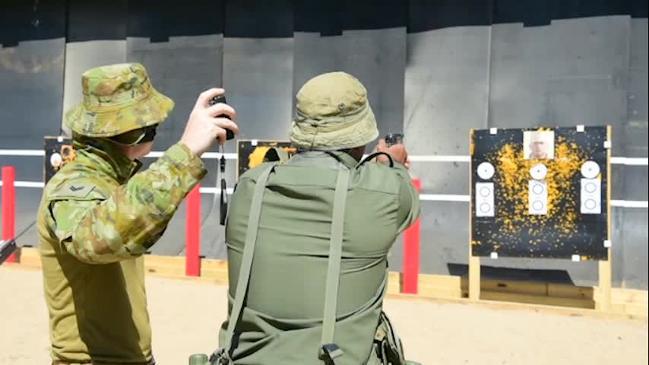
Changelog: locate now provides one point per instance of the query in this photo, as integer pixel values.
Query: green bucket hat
(117, 99)
(333, 113)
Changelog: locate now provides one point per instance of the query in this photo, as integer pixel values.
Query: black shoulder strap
(373, 156)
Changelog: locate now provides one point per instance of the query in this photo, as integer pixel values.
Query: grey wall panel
(631, 250)
(632, 263)
(445, 236)
(444, 239)
(570, 72)
(81, 56)
(313, 55)
(446, 88)
(635, 133)
(258, 78)
(260, 89)
(634, 184)
(376, 57)
(181, 68)
(31, 85)
(27, 202)
(31, 89)
(618, 248)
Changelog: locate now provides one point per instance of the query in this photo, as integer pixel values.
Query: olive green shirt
(282, 320)
(95, 221)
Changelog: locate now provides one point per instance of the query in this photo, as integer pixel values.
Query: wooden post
(474, 262)
(603, 302)
(474, 278)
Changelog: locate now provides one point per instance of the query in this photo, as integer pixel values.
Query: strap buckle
(220, 357)
(330, 351)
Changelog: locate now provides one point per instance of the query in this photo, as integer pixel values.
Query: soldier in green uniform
(98, 215)
(308, 240)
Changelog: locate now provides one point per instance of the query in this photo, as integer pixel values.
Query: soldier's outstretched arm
(409, 207)
(131, 218)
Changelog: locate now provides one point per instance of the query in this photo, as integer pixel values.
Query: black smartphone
(221, 99)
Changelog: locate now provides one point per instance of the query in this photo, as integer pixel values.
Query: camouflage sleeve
(132, 217)
(409, 207)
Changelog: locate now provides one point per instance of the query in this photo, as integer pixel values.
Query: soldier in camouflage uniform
(98, 215)
(308, 240)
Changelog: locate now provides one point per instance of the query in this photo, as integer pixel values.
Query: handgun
(6, 249)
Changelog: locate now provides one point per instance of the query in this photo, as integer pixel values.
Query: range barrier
(411, 236)
(193, 233)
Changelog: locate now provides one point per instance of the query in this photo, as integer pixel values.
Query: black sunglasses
(137, 136)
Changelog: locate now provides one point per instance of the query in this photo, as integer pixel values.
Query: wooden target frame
(252, 152)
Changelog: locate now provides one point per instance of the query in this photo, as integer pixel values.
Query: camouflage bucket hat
(117, 99)
(333, 113)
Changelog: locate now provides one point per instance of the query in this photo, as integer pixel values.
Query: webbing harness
(328, 348)
(329, 351)
(223, 356)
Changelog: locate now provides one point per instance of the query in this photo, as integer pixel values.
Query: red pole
(193, 233)
(411, 253)
(8, 205)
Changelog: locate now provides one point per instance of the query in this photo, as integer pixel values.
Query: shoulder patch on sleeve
(75, 190)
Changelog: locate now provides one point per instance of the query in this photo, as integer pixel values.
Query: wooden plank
(394, 283)
(603, 302)
(474, 278)
(440, 286)
(629, 296)
(510, 286)
(474, 262)
(603, 298)
(570, 291)
(169, 266)
(537, 299)
(30, 257)
(216, 270)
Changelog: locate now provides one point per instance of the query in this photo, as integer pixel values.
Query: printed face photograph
(538, 145)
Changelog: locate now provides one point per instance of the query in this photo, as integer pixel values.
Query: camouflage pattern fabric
(117, 99)
(95, 221)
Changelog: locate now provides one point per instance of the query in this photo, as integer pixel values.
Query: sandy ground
(185, 316)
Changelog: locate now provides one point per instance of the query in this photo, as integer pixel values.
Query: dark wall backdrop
(433, 69)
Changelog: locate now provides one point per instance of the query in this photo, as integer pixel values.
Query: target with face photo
(540, 193)
(538, 145)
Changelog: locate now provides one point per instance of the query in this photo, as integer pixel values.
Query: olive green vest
(281, 318)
